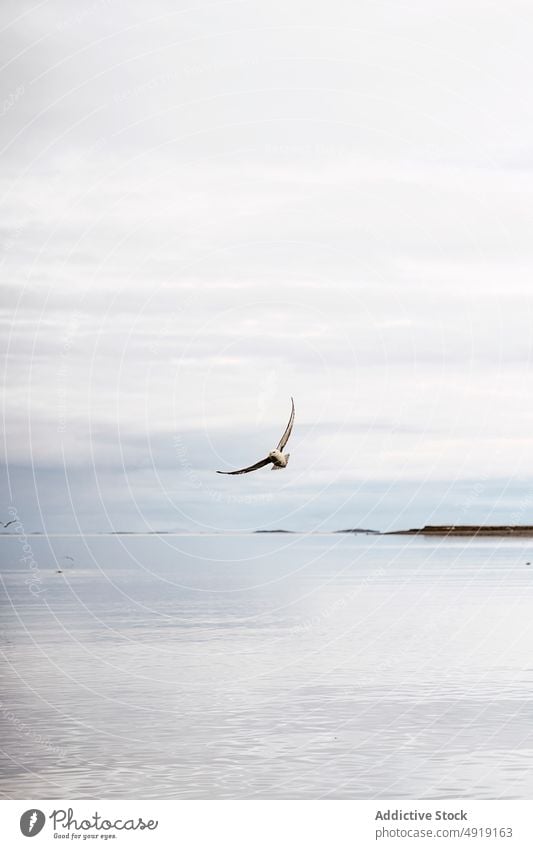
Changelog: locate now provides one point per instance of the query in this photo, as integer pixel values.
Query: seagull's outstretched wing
(285, 438)
(258, 465)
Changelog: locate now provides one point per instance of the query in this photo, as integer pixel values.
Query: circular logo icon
(31, 822)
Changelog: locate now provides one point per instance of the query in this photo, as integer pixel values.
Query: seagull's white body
(278, 459)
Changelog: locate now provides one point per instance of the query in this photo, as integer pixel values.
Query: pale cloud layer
(210, 208)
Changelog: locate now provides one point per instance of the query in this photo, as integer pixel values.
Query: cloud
(207, 211)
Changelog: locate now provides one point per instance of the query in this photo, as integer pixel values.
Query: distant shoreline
(427, 531)
(15, 534)
(467, 531)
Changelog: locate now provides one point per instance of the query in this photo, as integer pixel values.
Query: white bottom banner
(268, 824)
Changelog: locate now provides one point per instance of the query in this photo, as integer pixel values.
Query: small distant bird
(65, 557)
(278, 459)
(7, 524)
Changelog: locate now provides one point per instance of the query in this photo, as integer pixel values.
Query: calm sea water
(267, 666)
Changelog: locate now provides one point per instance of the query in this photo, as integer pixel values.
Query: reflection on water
(267, 666)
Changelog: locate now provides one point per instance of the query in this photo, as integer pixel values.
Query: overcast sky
(208, 208)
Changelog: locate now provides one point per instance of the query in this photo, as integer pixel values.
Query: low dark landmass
(343, 531)
(469, 531)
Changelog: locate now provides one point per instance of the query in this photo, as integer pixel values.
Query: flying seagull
(278, 459)
(7, 524)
